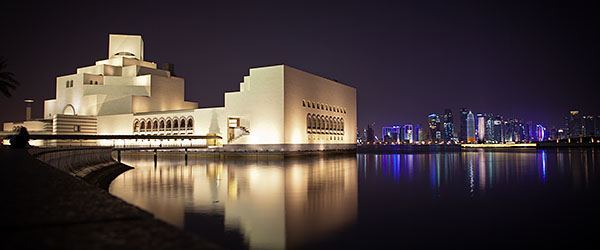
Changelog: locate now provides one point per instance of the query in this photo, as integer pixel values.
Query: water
(479, 199)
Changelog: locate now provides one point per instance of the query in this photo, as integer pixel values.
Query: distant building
(589, 128)
(498, 130)
(408, 133)
(435, 127)
(462, 134)
(370, 134)
(392, 134)
(480, 127)
(540, 133)
(597, 125)
(574, 124)
(489, 128)
(448, 125)
(470, 128)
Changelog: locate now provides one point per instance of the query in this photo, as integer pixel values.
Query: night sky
(534, 60)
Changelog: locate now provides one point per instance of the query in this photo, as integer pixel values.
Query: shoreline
(51, 209)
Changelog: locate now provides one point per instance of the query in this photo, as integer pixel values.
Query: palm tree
(7, 80)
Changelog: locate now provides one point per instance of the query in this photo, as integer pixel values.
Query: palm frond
(8, 84)
(8, 77)
(5, 91)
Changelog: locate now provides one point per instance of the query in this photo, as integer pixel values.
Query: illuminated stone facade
(275, 106)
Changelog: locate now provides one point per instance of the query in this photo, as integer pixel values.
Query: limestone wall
(78, 161)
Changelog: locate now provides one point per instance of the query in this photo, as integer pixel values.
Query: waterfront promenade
(50, 209)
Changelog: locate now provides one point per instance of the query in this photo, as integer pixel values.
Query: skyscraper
(408, 133)
(480, 127)
(448, 131)
(370, 134)
(391, 134)
(540, 132)
(588, 125)
(574, 124)
(470, 127)
(435, 127)
(489, 128)
(498, 130)
(417, 133)
(597, 125)
(462, 134)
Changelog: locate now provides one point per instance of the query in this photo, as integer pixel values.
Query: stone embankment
(50, 205)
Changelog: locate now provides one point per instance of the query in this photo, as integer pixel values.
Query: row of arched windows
(169, 125)
(322, 106)
(323, 124)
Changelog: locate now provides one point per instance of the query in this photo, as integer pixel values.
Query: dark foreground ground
(44, 208)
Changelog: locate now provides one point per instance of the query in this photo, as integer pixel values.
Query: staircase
(238, 132)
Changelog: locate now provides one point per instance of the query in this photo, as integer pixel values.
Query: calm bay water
(476, 199)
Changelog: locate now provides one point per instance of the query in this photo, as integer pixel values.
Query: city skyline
(409, 58)
(471, 126)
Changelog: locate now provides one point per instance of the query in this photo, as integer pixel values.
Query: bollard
(155, 158)
(186, 156)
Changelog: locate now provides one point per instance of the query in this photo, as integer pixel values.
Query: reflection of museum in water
(272, 204)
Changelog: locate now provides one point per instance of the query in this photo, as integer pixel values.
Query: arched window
(333, 124)
(169, 126)
(155, 125)
(142, 126)
(69, 110)
(175, 124)
(190, 124)
(303, 103)
(342, 125)
(161, 126)
(308, 121)
(148, 126)
(318, 122)
(136, 126)
(182, 124)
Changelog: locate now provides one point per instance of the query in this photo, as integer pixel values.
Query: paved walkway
(45, 208)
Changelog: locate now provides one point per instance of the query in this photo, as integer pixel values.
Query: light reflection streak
(274, 204)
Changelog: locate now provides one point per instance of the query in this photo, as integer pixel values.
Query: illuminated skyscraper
(498, 129)
(448, 130)
(480, 127)
(462, 135)
(588, 125)
(470, 127)
(540, 132)
(435, 127)
(408, 133)
(489, 128)
(391, 134)
(574, 124)
(370, 134)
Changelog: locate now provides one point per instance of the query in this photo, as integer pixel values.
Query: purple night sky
(530, 59)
